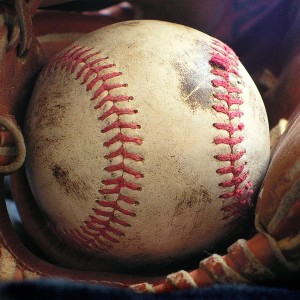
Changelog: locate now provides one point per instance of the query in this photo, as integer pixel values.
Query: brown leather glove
(20, 61)
(22, 57)
(272, 255)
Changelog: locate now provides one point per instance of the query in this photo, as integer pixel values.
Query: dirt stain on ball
(193, 90)
(191, 199)
(67, 182)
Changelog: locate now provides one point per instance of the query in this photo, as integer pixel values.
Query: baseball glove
(272, 255)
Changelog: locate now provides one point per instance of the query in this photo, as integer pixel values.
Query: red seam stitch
(100, 232)
(120, 124)
(113, 99)
(228, 141)
(226, 85)
(230, 128)
(91, 69)
(235, 181)
(226, 111)
(118, 111)
(123, 138)
(94, 223)
(124, 168)
(125, 154)
(228, 99)
(105, 87)
(224, 64)
(231, 169)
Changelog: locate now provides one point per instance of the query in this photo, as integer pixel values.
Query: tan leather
(21, 58)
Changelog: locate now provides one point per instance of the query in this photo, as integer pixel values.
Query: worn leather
(276, 243)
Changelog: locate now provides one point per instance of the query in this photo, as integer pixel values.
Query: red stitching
(117, 111)
(224, 64)
(226, 110)
(99, 231)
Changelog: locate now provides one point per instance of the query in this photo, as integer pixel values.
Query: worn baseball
(146, 142)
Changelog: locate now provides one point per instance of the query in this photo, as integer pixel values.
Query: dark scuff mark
(71, 184)
(191, 199)
(193, 87)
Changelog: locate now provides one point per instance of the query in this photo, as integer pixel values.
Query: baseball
(146, 142)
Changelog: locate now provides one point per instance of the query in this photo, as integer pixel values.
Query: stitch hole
(218, 66)
(102, 95)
